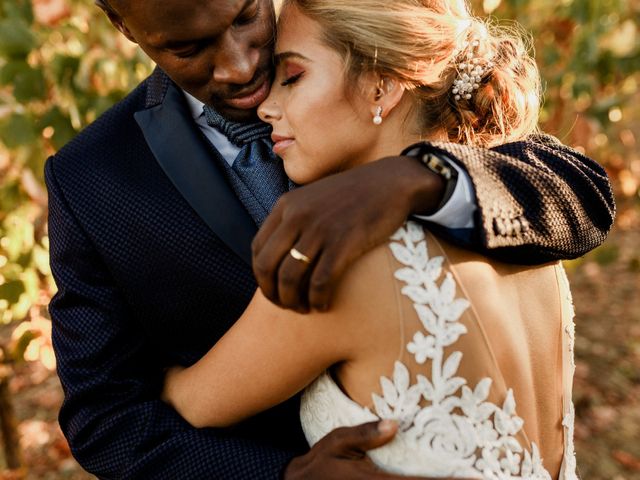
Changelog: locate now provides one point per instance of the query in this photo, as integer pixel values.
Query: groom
(151, 223)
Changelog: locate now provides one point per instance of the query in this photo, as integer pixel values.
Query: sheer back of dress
(475, 365)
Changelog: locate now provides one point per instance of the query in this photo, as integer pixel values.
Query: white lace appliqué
(480, 438)
(447, 428)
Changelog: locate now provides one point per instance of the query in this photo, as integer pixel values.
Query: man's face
(219, 51)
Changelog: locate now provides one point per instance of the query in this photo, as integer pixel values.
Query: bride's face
(320, 126)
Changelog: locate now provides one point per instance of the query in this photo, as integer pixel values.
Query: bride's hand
(332, 222)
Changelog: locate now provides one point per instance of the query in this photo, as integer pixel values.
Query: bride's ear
(384, 95)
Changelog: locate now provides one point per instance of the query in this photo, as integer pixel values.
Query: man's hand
(342, 455)
(332, 222)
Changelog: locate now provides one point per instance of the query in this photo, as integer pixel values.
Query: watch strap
(444, 170)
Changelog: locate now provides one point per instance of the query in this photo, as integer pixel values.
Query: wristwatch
(446, 171)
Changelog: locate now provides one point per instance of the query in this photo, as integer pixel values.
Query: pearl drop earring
(377, 119)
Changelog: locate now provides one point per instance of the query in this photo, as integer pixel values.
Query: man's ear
(386, 92)
(116, 20)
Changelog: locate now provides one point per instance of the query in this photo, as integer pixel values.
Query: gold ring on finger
(298, 255)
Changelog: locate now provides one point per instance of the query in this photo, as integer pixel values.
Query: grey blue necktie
(256, 175)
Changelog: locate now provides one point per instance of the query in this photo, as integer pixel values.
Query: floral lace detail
(481, 438)
(447, 427)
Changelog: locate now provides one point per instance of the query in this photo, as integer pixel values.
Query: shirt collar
(195, 105)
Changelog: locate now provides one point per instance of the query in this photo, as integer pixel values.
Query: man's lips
(252, 99)
(281, 143)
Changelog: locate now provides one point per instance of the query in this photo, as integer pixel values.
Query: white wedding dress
(458, 415)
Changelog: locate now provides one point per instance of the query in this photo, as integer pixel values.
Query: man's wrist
(426, 188)
(441, 168)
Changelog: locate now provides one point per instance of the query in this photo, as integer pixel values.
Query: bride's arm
(271, 353)
(266, 357)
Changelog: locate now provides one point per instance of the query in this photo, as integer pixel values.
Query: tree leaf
(21, 344)
(17, 130)
(63, 131)
(64, 68)
(16, 40)
(19, 10)
(11, 70)
(29, 85)
(11, 290)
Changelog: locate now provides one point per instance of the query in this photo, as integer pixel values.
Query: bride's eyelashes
(292, 79)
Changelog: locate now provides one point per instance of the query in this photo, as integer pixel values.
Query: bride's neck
(398, 131)
(391, 142)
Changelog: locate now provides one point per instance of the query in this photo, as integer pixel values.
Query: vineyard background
(62, 65)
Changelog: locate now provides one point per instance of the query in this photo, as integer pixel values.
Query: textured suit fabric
(144, 283)
(539, 196)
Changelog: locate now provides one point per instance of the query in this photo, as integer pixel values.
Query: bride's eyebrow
(280, 57)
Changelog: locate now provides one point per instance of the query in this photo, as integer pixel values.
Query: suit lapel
(185, 157)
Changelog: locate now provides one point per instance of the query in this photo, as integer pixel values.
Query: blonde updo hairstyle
(421, 44)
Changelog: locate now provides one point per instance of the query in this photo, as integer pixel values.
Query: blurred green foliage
(62, 64)
(589, 56)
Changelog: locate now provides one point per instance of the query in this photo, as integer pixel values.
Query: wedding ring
(299, 255)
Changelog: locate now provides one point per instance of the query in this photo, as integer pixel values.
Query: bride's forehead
(294, 24)
(304, 38)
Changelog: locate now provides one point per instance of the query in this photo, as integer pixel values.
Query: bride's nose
(269, 111)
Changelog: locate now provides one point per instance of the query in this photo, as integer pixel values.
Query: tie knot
(240, 134)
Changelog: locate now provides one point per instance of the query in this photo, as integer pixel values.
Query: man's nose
(235, 61)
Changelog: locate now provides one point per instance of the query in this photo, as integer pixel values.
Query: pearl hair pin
(471, 69)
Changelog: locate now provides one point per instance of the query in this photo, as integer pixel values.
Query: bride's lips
(251, 99)
(280, 144)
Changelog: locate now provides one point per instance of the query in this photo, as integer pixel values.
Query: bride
(472, 358)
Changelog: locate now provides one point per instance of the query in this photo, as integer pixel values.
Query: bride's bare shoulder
(369, 280)
(372, 276)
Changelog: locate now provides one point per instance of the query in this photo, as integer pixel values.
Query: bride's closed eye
(292, 79)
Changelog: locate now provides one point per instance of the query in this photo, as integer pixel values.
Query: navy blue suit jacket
(150, 250)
